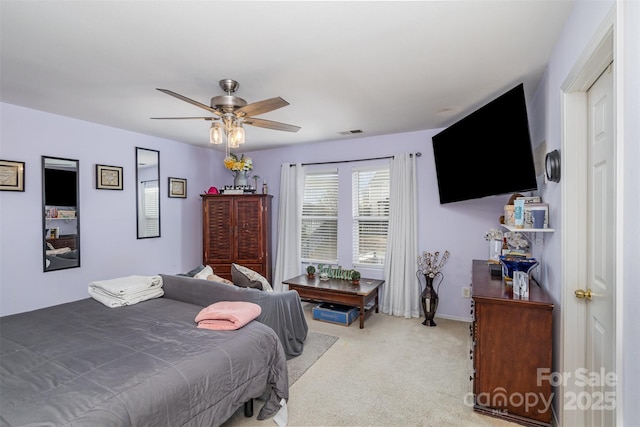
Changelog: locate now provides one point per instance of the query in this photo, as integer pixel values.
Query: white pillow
(247, 278)
(204, 273)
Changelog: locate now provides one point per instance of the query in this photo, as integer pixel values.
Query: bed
(82, 363)
(60, 261)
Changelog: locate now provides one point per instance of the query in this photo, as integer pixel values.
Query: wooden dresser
(512, 340)
(237, 229)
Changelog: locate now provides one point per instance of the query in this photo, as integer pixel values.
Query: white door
(599, 296)
(585, 395)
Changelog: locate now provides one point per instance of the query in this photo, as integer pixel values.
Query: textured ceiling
(380, 67)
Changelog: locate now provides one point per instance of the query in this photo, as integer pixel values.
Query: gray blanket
(83, 364)
(282, 311)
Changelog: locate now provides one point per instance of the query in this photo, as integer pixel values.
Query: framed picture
(11, 175)
(108, 177)
(178, 187)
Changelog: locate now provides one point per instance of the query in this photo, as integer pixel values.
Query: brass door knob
(582, 294)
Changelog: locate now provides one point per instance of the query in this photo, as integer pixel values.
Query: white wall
(628, 16)
(109, 247)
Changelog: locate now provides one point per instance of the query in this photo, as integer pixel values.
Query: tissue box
(335, 313)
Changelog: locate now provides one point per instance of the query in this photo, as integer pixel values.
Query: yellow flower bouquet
(233, 163)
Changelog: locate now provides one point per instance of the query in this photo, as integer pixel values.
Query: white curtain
(289, 228)
(401, 291)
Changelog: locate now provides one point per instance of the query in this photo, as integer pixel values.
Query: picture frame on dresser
(11, 175)
(109, 177)
(177, 187)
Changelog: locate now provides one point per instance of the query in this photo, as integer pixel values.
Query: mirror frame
(62, 262)
(142, 156)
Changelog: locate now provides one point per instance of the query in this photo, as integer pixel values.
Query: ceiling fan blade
(268, 124)
(261, 107)
(185, 118)
(190, 101)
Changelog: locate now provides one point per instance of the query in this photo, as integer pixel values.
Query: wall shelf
(528, 230)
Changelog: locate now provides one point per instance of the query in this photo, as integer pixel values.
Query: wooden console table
(338, 291)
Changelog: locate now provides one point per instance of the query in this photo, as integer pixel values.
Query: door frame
(595, 58)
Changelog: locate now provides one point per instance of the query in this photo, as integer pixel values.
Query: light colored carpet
(314, 346)
(394, 372)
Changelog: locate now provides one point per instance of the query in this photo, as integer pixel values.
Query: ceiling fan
(234, 112)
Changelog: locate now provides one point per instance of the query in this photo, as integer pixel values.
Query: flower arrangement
(233, 163)
(516, 240)
(493, 234)
(429, 265)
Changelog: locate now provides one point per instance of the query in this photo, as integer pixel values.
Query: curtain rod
(418, 154)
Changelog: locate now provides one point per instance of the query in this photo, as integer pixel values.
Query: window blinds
(320, 218)
(370, 215)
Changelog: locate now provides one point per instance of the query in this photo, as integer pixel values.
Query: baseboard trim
(460, 319)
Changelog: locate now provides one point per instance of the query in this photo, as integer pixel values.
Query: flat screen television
(486, 153)
(60, 188)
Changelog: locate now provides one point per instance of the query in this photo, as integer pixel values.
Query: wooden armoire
(237, 229)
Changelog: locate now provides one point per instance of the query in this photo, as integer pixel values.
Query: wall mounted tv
(60, 189)
(486, 153)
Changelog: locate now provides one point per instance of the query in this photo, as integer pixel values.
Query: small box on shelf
(529, 214)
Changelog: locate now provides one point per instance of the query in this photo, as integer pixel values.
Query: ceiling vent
(351, 132)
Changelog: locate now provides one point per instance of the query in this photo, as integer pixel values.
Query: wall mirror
(148, 192)
(61, 213)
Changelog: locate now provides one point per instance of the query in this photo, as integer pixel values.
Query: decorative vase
(429, 299)
(240, 178)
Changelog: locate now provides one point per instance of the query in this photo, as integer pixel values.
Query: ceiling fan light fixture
(237, 133)
(232, 141)
(233, 111)
(215, 134)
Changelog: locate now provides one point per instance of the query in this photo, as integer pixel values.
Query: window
(150, 207)
(320, 218)
(370, 215)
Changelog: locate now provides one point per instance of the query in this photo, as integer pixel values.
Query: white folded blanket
(128, 284)
(58, 251)
(126, 290)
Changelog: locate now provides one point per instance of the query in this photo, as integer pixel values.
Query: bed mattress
(82, 363)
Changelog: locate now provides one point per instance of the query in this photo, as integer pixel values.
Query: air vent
(351, 132)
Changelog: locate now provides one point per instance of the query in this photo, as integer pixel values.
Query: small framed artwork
(108, 177)
(177, 187)
(11, 175)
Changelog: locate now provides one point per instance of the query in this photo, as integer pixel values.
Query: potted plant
(311, 272)
(355, 277)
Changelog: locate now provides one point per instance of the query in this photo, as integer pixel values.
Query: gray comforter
(282, 311)
(84, 364)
